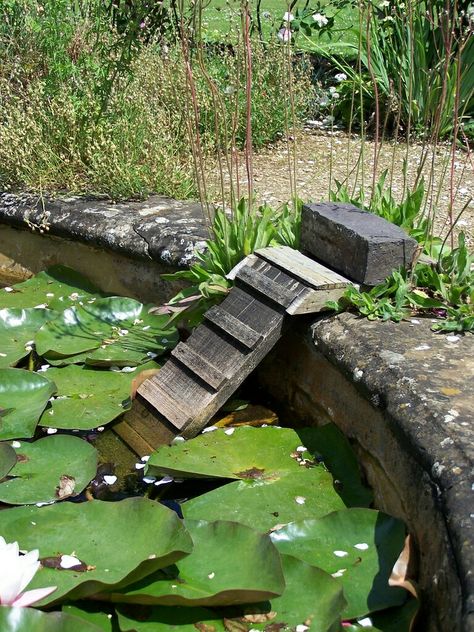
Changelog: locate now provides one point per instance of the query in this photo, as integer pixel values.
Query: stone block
(360, 245)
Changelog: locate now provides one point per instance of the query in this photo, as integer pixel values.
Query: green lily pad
(23, 397)
(17, 329)
(167, 619)
(109, 331)
(333, 447)
(57, 287)
(241, 453)
(264, 504)
(92, 612)
(31, 620)
(358, 547)
(311, 597)
(49, 469)
(230, 564)
(88, 397)
(7, 458)
(117, 543)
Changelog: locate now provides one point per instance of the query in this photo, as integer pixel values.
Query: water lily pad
(356, 546)
(397, 619)
(311, 598)
(31, 620)
(117, 543)
(262, 505)
(230, 564)
(92, 612)
(23, 397)
(168, 619)
(55, 288)
(88, 397)
(17, 329)
(7, 458)
(332, 446)
(50, 469)
(241, 453)
(110, 331)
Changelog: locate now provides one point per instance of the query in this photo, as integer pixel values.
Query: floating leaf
(168, 619)
(230, 564)
(17, 329)
(312, 598)
(92, 612)
(246, 453)
(31, 620)
(7, 458)
(356, 546)
(264, 504)
(332, 445)
(110, 331)
(88, 397)
(50, 469)
(23, 397)
(119, 542)
(55, 288)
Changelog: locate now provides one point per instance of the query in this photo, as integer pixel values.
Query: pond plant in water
(242, 528)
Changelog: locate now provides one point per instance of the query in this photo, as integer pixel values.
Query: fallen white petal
(163, 481)
(340, 553)
(68, 561)
(229, 431)
(300, 500)
(209, 429)
(110, 479)
(363, 546)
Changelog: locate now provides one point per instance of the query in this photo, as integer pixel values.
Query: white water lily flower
(16, 572)
(320, 19)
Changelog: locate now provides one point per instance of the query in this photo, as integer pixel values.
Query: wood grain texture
(198, 364)
(233, 326)
(306, 270)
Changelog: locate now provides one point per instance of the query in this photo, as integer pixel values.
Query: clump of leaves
(234, 236)
(445, 290)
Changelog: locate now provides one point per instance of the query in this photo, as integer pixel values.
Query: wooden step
(198, 364)
(154, 392)
(263, 284)
(232, 326)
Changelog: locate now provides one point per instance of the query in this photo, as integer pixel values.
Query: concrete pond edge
(403, 394)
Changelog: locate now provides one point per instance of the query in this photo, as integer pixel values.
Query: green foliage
(14, 619)
(234, 236)
(23, 397)
(445, 290)
(40, 466)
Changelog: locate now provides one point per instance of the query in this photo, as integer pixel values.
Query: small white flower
(16, 572)
(341, 76)
(288, 17)
(284, 35)
(320, 19)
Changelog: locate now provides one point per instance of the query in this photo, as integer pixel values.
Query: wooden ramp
(203, 372)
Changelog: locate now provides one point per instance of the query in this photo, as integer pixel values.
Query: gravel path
(316, 172)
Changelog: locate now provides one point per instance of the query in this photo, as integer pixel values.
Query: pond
(249, 526)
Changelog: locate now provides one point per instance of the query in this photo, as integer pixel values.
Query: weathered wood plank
(199, 365)
(233, 326)
(274, 291)
(156, 393)
(314, 301)
(306, 270)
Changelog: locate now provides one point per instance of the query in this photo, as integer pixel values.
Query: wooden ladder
(203, 372)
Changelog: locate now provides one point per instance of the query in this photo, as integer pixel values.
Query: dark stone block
(360, 245)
